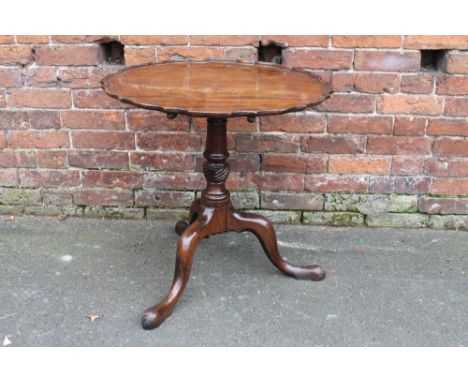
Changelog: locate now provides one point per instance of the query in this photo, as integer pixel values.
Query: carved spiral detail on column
(216, 172)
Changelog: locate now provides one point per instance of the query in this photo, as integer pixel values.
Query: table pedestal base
(213, 214)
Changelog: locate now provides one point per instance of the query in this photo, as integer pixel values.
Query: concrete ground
(384, 287)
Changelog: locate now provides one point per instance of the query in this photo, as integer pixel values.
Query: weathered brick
(56, 197)
(83, 77)
(452, 85)
(348, 103)
(435, 42)
(457, 107)
(455, 62)
(30, 139)
(446, 167)
(15, 54)
(39, 119)
(113, 212)
(51, 159)
(113, 179)
(8, 177)
(214, 40)
(450, 186)
(348, 219)
(239, 124)
(174, 180)
(161, 161)
(49, 178)
(409, 126)
(397, 220)
(280, 217)
(2, 140)
(96, 99)
(448, 127)
(294, 123)
(374, 41)
(98, 160)
(103, 120)
(69, 55)
(359, 125)
(10, 77)
(32, 39)
(370, 203)
(150, 120)
(290, 201)
(366, 82)
(334, 183)
(41, 77)
(355, 165)
(333, 144)
(104, 197)
(318, 59)
(417, 83)
(20, 196)
(407, 166)
(274, 182)
(10, 120)
(244, 54)
(244, 162)
(297, 164)
(387, 61)
(163, 199)
(41, 98)
(387, 145)
(17, 158)
(139, 56)
(7, 39)
(103, 140)
(296, 40)
(451, 147)
(409, 104)
(75, 39)
(154, 39)
(455, 222)
(193, 53)
(443, 206)
(245, 199)
(400, 184)
(266, 143)
(169, 214)
(153, 140)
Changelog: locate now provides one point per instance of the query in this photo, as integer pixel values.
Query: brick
(242, 200)
(446, 167)
(51, 159)
(452, 85)
(370, 203)
(41, 77)
(150, 120)
(359, 125)
(56, 197)
(102, 120)
(37, 139)
(17, 159)
(454, 187)
(168, 214)
(451, 147)
(103, 197)
(244, 162)
(41, 98)
(279, 217)
(163, 199)
(296, 201)
(15, 55)
(417, 83)
(266, 143)
(8, 178)
(103, 140)
(340, 219)
(387, 145)
(335, 183)
(354, 165)
(387, 61)
(407, 166)
(96, 99)
(139, 56)
(330, 144)
(409, 104)
(98, 160)
(73, 39)
(294, 123)
(83, 77)
(113, 212)
(239, 124)
(448, 127)
(435, 42)
(39, 119)
(224, 40)
(443, 206)
(397, 220)
(10, 120)
(455, 62)
(375, 83)
(318, 59)
(409, 126)
(10, 77)
(154, 40)
(169, 161)
(7, 39)
(296, 40)
(296, 164)
(112, 179)
(32, 39)
(457, 107)
(244, 54)
(69, 55)
(193, 53)
(275, 182)
(374, 41)
(174, 180)
(2, 140)
(455, 222)
(49, 178)
(152, 140)
(400, 184)
(348, 103)
(18, 196)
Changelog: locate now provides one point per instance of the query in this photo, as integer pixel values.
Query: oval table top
(217, 89)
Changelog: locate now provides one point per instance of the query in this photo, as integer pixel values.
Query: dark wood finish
(213, 214)
(217, 89)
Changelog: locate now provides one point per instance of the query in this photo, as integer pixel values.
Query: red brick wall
(391, 128)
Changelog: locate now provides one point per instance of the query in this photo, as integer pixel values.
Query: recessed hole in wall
(431, 59)
(270, 53)
(113, 52)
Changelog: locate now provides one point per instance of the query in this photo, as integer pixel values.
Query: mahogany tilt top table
(217, 91)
